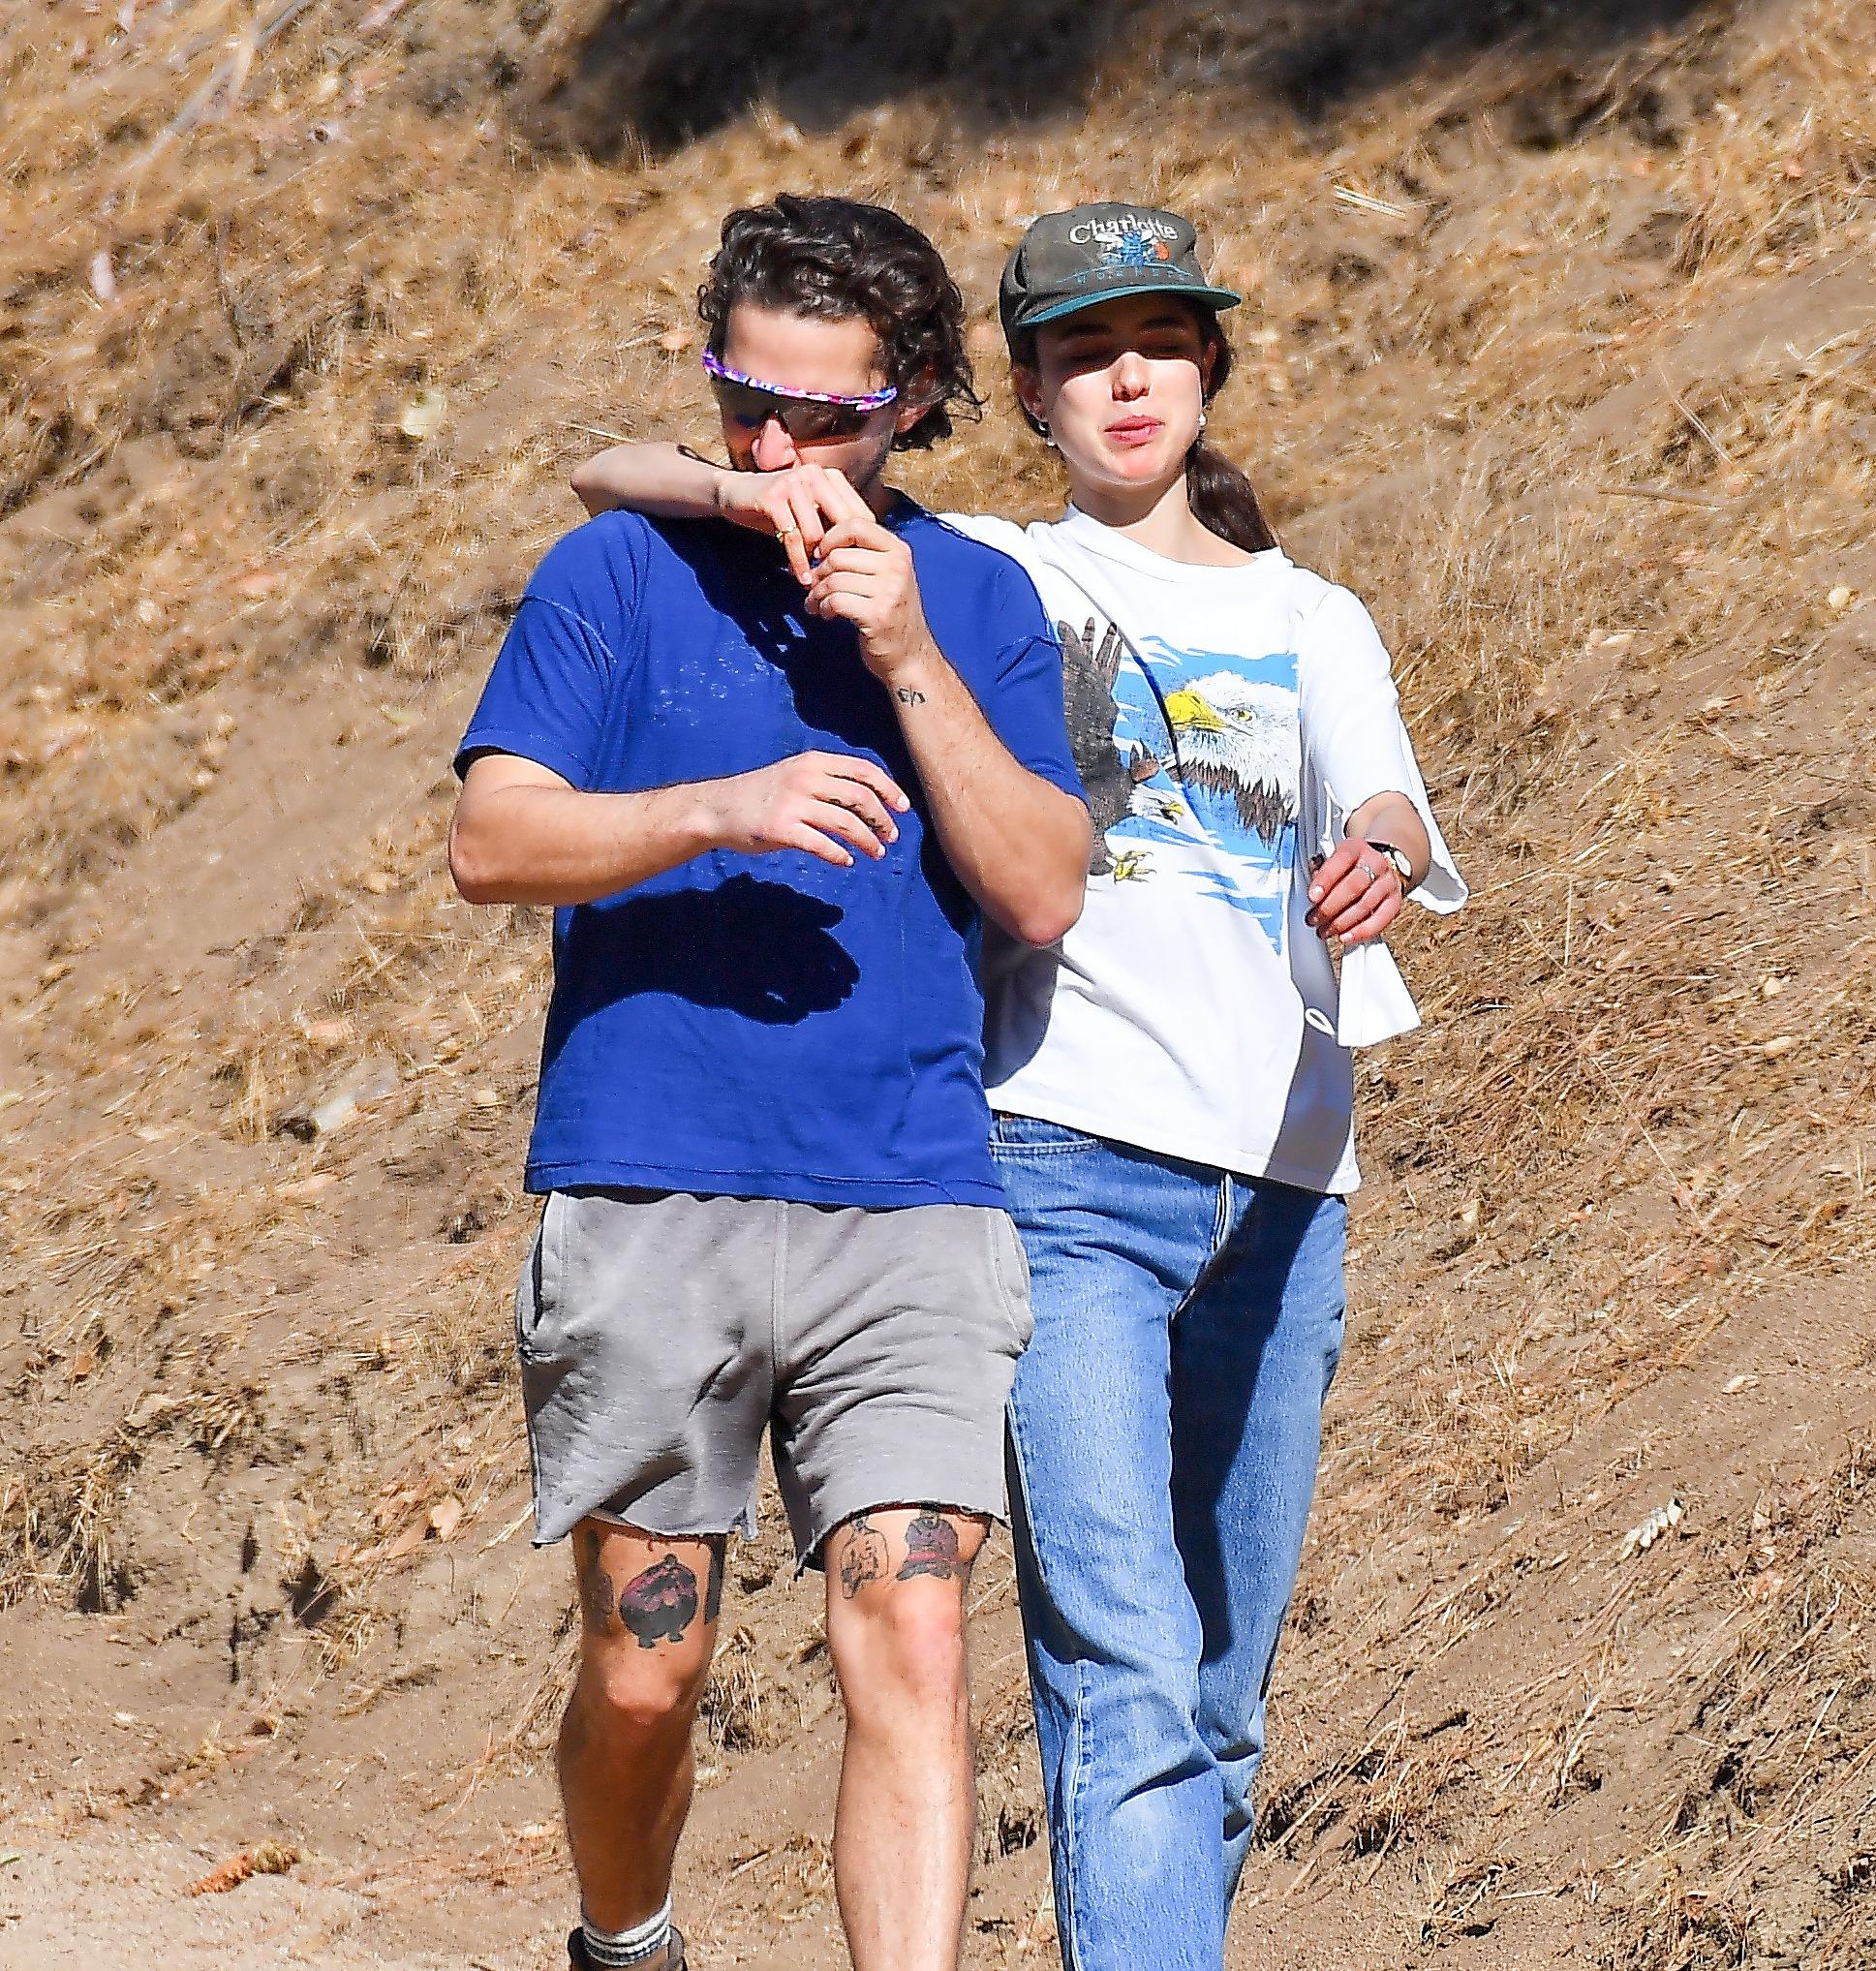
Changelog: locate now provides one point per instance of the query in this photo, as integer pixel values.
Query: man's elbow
(1048, 916)
(587, 489)
(1043, 928)
(476, 880)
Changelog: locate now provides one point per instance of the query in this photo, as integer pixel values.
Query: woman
(1173, 1107)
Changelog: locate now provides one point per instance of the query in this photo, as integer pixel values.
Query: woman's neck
(1159, 518)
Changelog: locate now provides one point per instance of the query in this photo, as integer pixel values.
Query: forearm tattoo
(865, 1558)
(906, 695)
(932, 1548)
(660, 1605)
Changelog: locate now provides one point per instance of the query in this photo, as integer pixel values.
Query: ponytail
(1224, 501)
(1221, 496)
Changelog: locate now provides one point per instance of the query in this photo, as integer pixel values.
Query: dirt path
(1562, 352)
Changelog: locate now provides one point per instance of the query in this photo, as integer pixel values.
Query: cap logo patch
(1135, 239)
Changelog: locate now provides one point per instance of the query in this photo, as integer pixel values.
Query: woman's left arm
(1358, 750)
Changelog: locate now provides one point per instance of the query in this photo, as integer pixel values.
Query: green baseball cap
(1073, 260)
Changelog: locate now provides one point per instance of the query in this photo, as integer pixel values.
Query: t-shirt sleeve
(546, 700)
(1023, 706)
(992, 531)
(1355, 742)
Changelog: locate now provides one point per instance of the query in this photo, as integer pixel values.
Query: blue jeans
(1164, 1429)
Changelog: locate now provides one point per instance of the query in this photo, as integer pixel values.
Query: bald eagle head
(1237, 737)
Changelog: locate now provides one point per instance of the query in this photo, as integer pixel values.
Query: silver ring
(1373, 875)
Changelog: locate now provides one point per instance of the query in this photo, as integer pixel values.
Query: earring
(1201, 423)
(1048, 435)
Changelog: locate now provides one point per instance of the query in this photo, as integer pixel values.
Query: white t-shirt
(1226, 721)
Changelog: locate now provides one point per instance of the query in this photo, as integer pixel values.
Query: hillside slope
(1563, 352)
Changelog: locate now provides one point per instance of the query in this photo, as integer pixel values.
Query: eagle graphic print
(1192, 764)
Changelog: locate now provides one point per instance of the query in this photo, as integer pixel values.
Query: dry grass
(1558, 361)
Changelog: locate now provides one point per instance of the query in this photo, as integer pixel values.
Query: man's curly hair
(841, 260)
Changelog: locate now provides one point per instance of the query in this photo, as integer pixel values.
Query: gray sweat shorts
(661, 1333)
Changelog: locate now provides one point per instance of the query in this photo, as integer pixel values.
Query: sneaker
(673, 1960)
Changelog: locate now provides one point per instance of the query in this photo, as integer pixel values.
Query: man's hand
(826, 803)
(865, 577)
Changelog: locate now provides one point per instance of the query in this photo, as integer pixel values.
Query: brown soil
(1563, 355)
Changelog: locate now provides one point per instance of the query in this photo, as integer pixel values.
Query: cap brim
(1208, 298)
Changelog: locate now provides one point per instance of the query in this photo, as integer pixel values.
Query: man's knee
(648, 1615)
(896, 1613)
(630, 1693)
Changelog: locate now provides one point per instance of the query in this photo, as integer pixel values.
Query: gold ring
(783, 533)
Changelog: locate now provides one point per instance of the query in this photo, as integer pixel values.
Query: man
(769, 798)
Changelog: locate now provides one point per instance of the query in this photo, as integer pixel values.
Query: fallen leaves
(1663, 1519)
(264, 1858)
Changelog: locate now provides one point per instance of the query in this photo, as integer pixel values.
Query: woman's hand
(1355, 894)
(800, 507)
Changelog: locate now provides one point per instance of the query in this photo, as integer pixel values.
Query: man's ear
(915, 401)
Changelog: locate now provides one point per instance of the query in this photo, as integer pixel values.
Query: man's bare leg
(906, 1817)
(648, 1623)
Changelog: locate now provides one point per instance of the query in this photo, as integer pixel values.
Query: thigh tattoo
(660, 1605)
(932, 1548)
(865, 1558)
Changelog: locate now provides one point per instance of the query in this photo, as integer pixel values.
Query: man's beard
(867, 476)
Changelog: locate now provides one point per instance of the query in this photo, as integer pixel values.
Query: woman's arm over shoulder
(664, 480)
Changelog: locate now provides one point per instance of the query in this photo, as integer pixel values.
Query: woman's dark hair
(1221, 496)
(841, 260)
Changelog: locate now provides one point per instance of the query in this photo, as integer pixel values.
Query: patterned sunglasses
(808, 416)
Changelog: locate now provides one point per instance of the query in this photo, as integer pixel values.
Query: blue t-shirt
(761, 1025)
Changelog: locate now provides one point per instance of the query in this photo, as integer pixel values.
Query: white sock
(611, 1950)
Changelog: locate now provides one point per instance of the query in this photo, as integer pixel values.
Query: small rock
(422, 416)
(1779, 1044)
(371, 1083)
(1841, 597)
(305, 1188)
